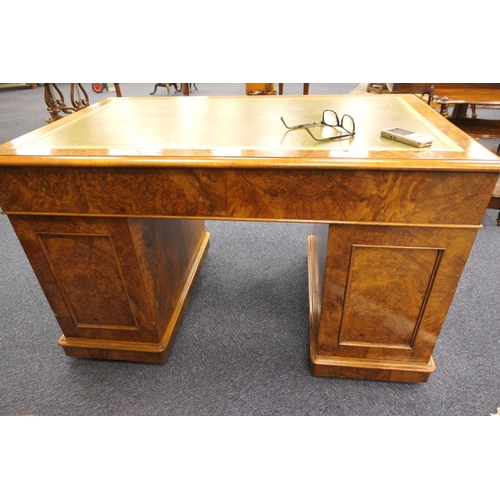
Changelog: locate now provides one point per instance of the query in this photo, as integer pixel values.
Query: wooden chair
(268, 89)
(167, 86)
(54, 100)
(260, 89)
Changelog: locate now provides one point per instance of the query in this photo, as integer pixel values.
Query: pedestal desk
(109, 205)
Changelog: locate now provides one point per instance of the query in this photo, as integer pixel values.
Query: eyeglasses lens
(348, 123)
(330, 118)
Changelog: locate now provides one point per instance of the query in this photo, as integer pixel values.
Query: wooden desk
(109, 205)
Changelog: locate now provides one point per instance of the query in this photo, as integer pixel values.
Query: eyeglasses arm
(303, 125)
(342, 136)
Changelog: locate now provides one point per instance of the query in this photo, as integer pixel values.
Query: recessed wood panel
(89, 277)
(386, 291)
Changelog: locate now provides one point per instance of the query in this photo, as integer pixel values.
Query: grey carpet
(242, 348)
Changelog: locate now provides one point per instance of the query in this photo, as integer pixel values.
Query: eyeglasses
(329, 119)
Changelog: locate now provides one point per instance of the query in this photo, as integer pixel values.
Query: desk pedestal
(117, 286)
(379, 293)
(379, 296)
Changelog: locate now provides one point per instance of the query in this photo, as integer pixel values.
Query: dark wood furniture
(259, 89)
(109, 205)
(482, 91)
(268, 89)
(55, 101)
(185, 88)
(462, 96)
(459, 97)
(167, 86)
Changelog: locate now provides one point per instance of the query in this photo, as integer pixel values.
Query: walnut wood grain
(109, 204)
(403, 196)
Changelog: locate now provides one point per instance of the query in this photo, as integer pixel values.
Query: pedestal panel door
(117, 287)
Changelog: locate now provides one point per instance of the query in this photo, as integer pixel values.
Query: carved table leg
(444, 110)
(459, 111)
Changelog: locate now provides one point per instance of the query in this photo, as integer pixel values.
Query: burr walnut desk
(109, 205)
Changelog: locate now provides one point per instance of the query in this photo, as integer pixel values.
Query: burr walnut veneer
(109, 204)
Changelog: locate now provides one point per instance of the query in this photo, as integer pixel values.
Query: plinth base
(326, 366)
